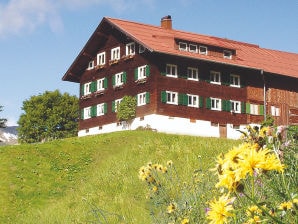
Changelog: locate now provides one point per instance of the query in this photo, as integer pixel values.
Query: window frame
(205, 52)
(215, 77)
(275, 111)
(235, 106)
(215, 104)
(90, 65)
(192, 97)
(115, 53)
(119, 79)
(173, 68)
(128, 49)
(232, 80)
(100, 110)
(193, 45)
(172, 97)
(192, 69)
(229, 56)
(101, 58)
(87, 88)
(100, 84)
(141, 99)
(87, 112)
(117, 103)
(142, 72)
(181, 48)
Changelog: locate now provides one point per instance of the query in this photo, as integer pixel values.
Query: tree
(47, 116)
(2, 120)
(126, 110)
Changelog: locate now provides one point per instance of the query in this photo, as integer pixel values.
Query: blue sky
(39, 39)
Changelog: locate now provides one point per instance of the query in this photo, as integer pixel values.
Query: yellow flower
(155, 189)
(253, 210)
(286, 205)
(254, 220)
(264, 131)
(170, 163)
(220, 210)
(171, 208)
(185, 221)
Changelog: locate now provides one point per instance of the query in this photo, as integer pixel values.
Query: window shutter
(147, 70)
(243, 107)
(82, 90)
(223, 105)
(93, 86)
(136, 73)
(113, 80)
(113, 106)
(147, 97)
(163, 73)
(82, 114)
(247, 108)
(124, 77)
(208, 103)
(105, 83)
(200, 101)
(261, 110)
(163, 96)
(105, 108)
(185, 100)
(93, 111)
(180, 99)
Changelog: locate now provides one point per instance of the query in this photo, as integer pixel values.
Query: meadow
(94, 179)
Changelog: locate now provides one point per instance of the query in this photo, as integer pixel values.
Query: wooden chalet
(184, 82)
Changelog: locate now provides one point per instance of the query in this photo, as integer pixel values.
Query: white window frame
(195, 50)
(215, 104)
(275, 111)
(254, 109)
(87, 112)
(142, 72)
(192, 73)
(183, 46)
(100, 84)
(100, 109)
(215, 77)
(87, 88)
(141, 98)
(171, 70)
(227, 54)
(115, 53)
(203, 50)
(235, 106)
(233, 81)
(172, 97)
(101, 58)
(117, 103)
(130, 48)
(193, 100)
(90, 65)
(119, 79)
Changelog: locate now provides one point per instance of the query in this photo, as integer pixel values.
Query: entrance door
(223, 130)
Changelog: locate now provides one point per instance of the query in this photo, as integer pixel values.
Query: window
(130, 48)
(215, 104)
(141, 49)
(172, 97)
(142, 72)
(101, 109)
(87, 88)
(119, 79)
(203, 50)
(101, 84)
(115, 104)
(235, 106)
(115, 53)
(215, 77)
(193, 48)
(193, 100)
(227, 54)
(171, 70)
(90, 65)
(234, 80)
(143, 98)
(182, 46)
(87, 112)
(254, 109)
(101, 58)
(192, 73)
(275, 111)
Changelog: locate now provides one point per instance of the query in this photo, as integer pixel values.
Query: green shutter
(105, 108)
(82, 89)
(147, 70)
(223, 105)
(163, 96)
(185, 100)
(93, 111)
(147, 97)
(93, 86)
(136, 73)
(113, 80)
(243, 107)
(82, 114)
(247, 108)
(201, 101)
(113, 106)
(208, 103)
(124, 77)
(261, 110)
(163, 73)
(226, 105)
(180, 99)
(105, 83)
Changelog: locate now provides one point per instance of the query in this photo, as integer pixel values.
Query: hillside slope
(78, 180)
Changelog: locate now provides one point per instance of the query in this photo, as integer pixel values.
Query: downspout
(264, 93)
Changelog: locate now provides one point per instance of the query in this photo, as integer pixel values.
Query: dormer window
(182, 46)
(193, 48)
(90, 65)
(203, 50)
(227, 54)
(130, 48)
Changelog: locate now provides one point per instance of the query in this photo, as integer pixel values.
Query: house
(184, 82)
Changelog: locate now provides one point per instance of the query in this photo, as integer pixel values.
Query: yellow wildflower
(286, 205)
(253, 210)
(171, 208)
(170, 163)
(185, 221)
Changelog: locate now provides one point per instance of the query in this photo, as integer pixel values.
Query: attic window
(90, 65)
(130, 48)
(182, 46)
(141, 49)
(227, 54)
(203, 50)
(193, 48)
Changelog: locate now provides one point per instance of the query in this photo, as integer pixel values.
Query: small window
(101, 58)
(171, 70)
(87, 88)
(192, 73)
(227, 54)
(254, 109)
(130, 49)
(119, 79)
(172, 97)
(117, 103)
(215, 104)
(90, 65)
(182, 46)
(234, 80)
(235, 106)
(101, 84)
(101, 109)
(115, 53)
(142, 72)
(193, 48)
(193, 100)
(87, 112)
(141, 49)
(203, 50)
(215, 77)
(141, 97)
(275, 111)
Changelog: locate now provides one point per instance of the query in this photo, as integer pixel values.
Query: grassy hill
(80, 180)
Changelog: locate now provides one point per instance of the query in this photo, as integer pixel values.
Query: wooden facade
(253, 93)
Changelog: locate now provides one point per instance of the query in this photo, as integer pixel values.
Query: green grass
(77, 179)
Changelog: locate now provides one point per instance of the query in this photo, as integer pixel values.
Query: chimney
(166, 22)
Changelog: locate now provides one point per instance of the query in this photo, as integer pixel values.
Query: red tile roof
(158, 39)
